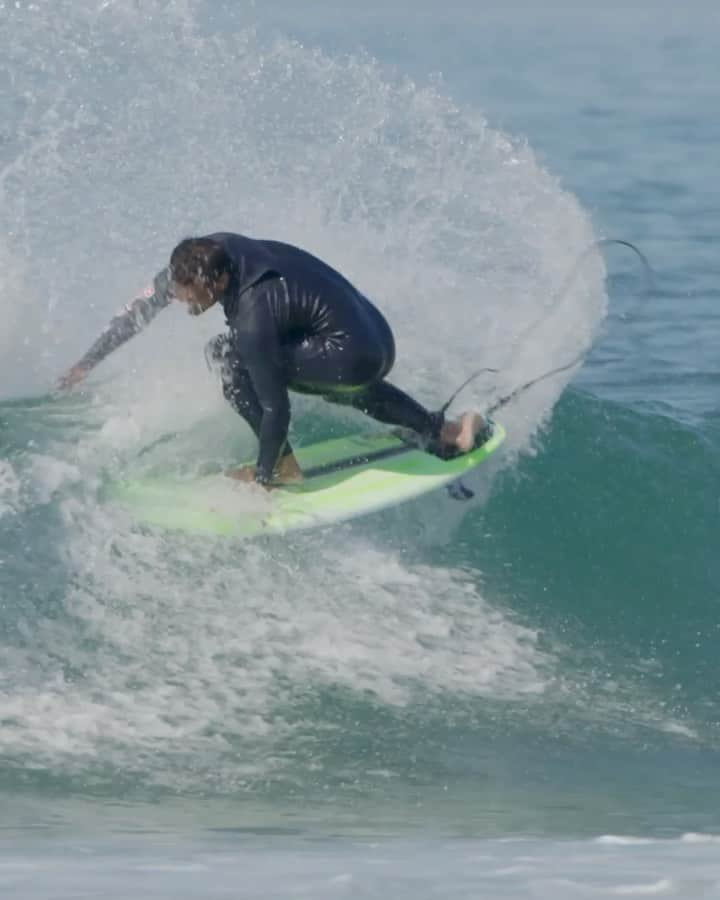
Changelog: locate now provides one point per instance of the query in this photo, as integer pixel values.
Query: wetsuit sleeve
(256, 333)
(127, 323)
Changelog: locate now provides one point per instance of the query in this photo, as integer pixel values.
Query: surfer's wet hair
(199, 259)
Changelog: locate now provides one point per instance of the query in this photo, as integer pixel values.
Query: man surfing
(294, 324)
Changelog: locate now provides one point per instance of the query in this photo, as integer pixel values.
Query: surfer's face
(201, 293)
(198, 296)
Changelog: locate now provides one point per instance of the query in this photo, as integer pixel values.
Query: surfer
(294, 324)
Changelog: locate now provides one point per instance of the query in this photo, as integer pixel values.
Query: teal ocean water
(512, 697)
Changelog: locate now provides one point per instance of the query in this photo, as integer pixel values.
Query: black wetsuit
(294, 323)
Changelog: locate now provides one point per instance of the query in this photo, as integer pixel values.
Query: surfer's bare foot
(462, 433)
(287, 471)
(243, 473)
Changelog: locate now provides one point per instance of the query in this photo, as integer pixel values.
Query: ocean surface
(513, 697)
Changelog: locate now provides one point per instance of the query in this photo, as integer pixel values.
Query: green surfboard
(344, 478)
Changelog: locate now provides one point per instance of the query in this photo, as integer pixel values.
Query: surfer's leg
(360, 353)
(388, 404)
(352, 373)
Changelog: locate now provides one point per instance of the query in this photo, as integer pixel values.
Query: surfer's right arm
(127, 323)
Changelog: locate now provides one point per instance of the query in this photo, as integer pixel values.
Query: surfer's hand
(71, 377)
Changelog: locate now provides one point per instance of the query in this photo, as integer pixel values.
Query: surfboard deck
(344, 478)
